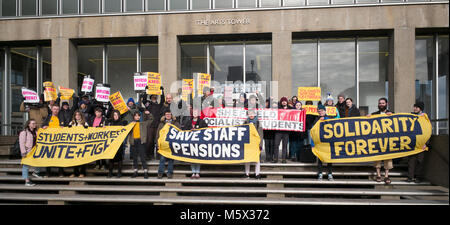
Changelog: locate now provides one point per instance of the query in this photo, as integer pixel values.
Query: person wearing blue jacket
(322, 116)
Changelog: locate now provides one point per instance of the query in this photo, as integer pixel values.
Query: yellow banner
(220, 145)
(66, 147)
(153, 83)
(118, 103)
(310, 110)
(367, 139)
(49, 92)
(309, 93)
(187, 88)
(203, 80)
(66, 93)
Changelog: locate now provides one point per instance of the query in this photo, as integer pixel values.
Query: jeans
(162, 162)
(195, 168)
(139, 150)
(280, 136)
(319, 167)
(295, 146)
(25, 169)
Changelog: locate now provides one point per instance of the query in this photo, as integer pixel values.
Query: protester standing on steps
(167, 118)
(322, 116)
(195, 122)
(98, 121)
(116, 120)
(53, 121)
(78, 121)
(281, 136)
(138, 138)
(415, 162)
(27, 140)
(252, 118)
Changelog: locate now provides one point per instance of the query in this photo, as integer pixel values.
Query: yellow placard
(309, 94)
(49, 92)
(331, 110)
(66, 93)
(310, 110)
(203, 80)
(118, 103)
(187, 88)
(367, 139)
(153, 83)
(220, 145)
(66, 147)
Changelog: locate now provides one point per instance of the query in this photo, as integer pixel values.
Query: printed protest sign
(310, 110)
(202, 80)
(88, 85)
(49, 92)
(66, 147)
(102, 94)
(331, 110)
(187, 88)
(309, 93)
(221, 145)
(66, 93)
(30, 95)
(367, 139)
(118, 103)
(153, 83)
(140, 81)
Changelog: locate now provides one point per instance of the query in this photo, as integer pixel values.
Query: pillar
(64, 63)
(281, 63)
(169, 62)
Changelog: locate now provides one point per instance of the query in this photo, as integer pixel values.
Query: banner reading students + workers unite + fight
(66, 147)
(221, 145)
(367, 139)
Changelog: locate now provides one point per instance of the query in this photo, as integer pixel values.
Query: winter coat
(163, 123)
(38, 113)
(258, 128)
(26, 141)
(102, 122)
(187, 124)
(351, 112)
(147, 120)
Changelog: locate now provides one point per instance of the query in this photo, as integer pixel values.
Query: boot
(145, 174)
(135, 174)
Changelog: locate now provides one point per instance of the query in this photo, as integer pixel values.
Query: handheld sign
(310, 110)
(331, 110)
(309, 94)
(140, 81)
(30, 95)
(202, 80)
(118, 102)
(49, 92)
(153, 83)
(102, 93)
(66, 93)
(187, 88)
(88, 84)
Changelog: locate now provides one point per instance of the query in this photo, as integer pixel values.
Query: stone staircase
(281, 184)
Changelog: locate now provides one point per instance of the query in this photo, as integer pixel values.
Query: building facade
(365, 49)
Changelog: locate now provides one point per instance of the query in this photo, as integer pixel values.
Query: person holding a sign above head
(388, 164)
(137, 139)
(322, 116)
(116, 120)
(155, 109)
(350, 109)
(252, 118)
(167, 118)
(78, 120)
(195, 122)
(98, 121)
(66, 112)
(53, 121)
(281, 136)
(27, 140)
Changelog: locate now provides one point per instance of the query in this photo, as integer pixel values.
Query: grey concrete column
(281, 62)
(169, 62)
(64, 63)
(404, 69)
(6, 93)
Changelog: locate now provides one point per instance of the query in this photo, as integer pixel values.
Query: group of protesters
(150, 117)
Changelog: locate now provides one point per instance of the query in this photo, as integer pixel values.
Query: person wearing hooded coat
(281, 136)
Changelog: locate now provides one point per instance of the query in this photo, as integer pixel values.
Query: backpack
(15, 152)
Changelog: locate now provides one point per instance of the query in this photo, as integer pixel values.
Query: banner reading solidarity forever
(221, 145)
(374, 138)
(270, 119)
(65, 147)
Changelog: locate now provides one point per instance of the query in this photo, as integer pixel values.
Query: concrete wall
(436, 161)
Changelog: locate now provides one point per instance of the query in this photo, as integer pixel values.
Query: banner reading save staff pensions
(367, 139)
(221, 145)
(269, 119)
(65, 147)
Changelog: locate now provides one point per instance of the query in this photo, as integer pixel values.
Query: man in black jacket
(155, 109)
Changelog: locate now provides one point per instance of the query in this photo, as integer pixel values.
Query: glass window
(121, 68)
(155, 5)
(424, 74)
(149, 57)
(318, 2)
(178, 4)
(28, 7)
(392, 1)
(270, 3)
(443, 83)
(200, 4)
(133, 5)
(294, 2)
(46, 63)
(70, 6)
(366, 1)
(258, 67)
(373, 64)
(246, 4)
(304, 64)
(91, 6)
(8, 8)
(337, 67)
(347, 2)
(223, 4)
(112, 6)
(226, 63)
(90, 62)
(49, 7)
(193, 59)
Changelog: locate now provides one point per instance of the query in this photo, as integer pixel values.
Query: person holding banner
(137, 139)
(388, 164)
(252, 118)
(350, 109)
(27, 140)
(281, 136)
(242, 102)
(53, 121)
(167, 118)
(78, 120)
(116, 120)
(296, 139)
(269, 136)
(195, 122)
(322, 116)
(98, 121)
(415, 162)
